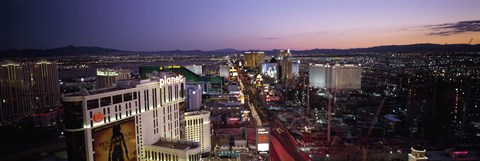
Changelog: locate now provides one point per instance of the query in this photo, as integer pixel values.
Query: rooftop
(223, 104)
(189, 75)
(196, 113)
(122, 84)
(176, 144)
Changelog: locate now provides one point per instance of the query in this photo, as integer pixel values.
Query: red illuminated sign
(263, 139)
(97, 117)
(460, 152)
(234, 119)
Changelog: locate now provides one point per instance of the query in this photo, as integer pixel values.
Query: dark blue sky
(216, 24)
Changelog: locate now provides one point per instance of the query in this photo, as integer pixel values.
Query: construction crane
(329, 118)
(374, 121)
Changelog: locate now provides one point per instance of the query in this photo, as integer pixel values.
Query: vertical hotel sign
(263, 140)
(115, 141)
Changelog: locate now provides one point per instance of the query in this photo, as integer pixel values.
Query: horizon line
(235, 48)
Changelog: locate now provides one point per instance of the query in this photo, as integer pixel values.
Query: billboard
(263, 140)
(269, 69)
(115, 141)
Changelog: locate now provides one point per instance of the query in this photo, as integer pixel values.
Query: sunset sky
(247, 24)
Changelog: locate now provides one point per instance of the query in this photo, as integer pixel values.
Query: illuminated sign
(170, 80)
(97, 117)
(234, 119)
(263, 140)
(106, 73)
(460, 152)
(115, 141)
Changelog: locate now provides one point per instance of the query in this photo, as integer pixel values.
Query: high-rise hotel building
(25, 87)
(197, 128)
(253, 59)
(317, 75)
(107, 78)
(137, 120)
(194, 97)
(286, 62)
(338, 76)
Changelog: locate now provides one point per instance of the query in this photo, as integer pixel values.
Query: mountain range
(85, 51)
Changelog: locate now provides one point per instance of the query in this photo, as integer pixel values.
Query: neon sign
(170, 80)
(97, 117)
(460, 152)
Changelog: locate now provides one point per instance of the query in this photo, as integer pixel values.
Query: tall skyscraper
(296, 68)
(107, 78)
(253, 59)
(14, 90)
(45, 84)
(285, 60)
(197, 128)
(25, 87)
(138, 121)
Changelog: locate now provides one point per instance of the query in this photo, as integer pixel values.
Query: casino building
(129, 122)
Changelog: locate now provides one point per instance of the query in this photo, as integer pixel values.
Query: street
(283, 145)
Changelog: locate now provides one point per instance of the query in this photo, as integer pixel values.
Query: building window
(105, 101)
(182, 90)
(170, 93)
(117, 99)
(164, 94)
(91, 104)
(127, 96)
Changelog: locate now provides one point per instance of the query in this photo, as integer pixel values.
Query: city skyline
(242, 25)
(270, 80)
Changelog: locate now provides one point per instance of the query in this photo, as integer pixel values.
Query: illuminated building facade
(194, 97)
(417, 155)
(338, 76)
(317, 75)
(126, 123)
(345, 76)
(173, 150)
(285, 61)
(25, 87)
(107, 78)
(296, 69)
(224, 71)
(210, 84)
(197, 128)
(263, 140)
(253, 59)
(197, 69)
(269, 70)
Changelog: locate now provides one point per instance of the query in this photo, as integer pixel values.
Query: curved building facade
(119, 123)
(197, 128)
